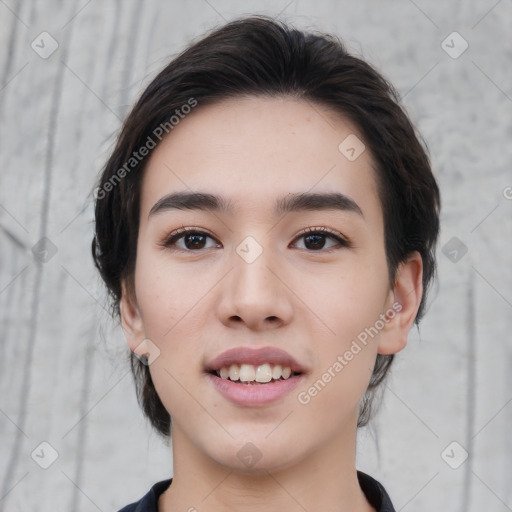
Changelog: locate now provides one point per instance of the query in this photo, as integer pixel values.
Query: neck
(324, 480)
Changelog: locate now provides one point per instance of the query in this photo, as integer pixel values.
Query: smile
(252, 374)
(251, 377)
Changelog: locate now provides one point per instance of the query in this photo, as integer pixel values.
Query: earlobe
(405, 297)
(131, 320)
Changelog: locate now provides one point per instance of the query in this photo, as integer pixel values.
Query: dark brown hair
(263, 57)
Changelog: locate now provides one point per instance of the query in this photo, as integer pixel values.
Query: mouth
(252, 377)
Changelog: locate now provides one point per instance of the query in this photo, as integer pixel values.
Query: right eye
(189, 240)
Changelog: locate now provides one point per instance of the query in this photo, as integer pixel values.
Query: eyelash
(341, 240)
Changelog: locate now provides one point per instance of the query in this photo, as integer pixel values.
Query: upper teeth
(248, 372)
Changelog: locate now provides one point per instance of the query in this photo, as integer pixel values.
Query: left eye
(315, 239)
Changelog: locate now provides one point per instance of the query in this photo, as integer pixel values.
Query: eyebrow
(290, 203)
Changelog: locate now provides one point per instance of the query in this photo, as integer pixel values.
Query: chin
(257, 458)
(262, 467)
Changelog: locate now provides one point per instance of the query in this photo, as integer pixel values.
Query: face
(264, 279)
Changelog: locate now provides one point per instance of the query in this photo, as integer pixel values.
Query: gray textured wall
(63, 373)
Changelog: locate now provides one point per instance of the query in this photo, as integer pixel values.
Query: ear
(131, 321)
(402, 305)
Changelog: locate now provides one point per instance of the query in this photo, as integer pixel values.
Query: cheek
(346, 299)
(346, 356)
(168, 299)
(165, 293)
(348, 304)
(171, 301)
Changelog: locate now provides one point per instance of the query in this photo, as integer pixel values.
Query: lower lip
(254, 394)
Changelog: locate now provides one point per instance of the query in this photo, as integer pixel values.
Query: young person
(266, 227)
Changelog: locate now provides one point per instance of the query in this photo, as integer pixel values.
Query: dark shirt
(373, 490)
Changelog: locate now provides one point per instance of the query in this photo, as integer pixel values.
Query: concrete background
(63, 372)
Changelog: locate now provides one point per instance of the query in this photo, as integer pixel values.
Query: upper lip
(246, 355)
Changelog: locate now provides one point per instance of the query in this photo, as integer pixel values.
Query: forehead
(253, 150)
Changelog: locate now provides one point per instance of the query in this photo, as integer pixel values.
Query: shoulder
(149, 502)
(375, 493)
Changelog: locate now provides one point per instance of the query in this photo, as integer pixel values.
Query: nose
(255, 294)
